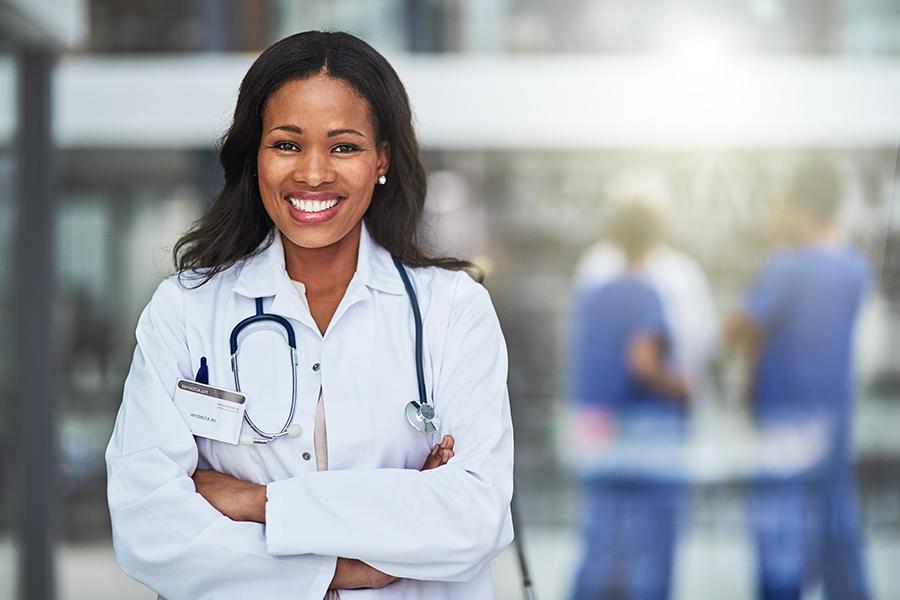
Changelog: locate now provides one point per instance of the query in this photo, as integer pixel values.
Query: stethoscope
(420, 414)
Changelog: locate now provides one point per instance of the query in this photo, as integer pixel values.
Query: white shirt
(436, 530)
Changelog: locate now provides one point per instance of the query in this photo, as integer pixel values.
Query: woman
(323, 186)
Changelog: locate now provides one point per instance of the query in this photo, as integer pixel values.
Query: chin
(311, 239)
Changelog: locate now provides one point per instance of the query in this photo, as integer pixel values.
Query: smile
(313, 206)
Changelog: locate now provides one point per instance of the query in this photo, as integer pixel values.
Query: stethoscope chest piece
(421, 416)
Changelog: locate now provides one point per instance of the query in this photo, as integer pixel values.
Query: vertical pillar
(425, 26)
(32, 296)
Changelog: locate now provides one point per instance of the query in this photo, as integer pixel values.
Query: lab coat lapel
(374, 270)
(289, 304)
(264, 276)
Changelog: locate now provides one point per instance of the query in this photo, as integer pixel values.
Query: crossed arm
(245, 501)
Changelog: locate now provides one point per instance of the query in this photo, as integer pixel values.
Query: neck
(634, 262)
(323, 271)
(820, 235)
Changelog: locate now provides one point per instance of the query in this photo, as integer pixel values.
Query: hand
(440, 454)
(238, 500)
(678, 388)
(352, 574)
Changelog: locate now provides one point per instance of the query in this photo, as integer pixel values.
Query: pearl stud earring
(382, 180)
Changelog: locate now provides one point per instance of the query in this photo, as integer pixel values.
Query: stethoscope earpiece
(248, 440)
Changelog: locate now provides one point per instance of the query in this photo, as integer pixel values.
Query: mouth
(313, 202)
(313, 207)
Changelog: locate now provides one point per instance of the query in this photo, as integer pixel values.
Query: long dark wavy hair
(236, 223)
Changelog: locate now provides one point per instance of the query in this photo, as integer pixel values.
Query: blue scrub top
(606, 319)
(806, 302)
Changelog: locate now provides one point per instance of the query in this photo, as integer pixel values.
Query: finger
(446, 455)
(432, 460)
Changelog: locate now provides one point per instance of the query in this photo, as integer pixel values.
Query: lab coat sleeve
(444, 524)
(165, 535)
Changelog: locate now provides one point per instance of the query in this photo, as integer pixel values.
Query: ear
(384, 158)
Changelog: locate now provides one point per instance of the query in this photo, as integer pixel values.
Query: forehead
(318, 100)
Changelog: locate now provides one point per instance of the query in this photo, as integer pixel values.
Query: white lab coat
(436, 530)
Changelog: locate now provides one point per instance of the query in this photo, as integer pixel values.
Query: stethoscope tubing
(423, 424)
(261, 316)
(417, 318)
(264, 436)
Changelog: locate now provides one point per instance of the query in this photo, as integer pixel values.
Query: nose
(313, 168)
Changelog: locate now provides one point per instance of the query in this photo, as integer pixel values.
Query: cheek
(270, 176)
(362, 175)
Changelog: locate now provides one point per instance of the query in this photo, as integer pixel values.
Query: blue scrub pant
(629, 530)
(806, 530)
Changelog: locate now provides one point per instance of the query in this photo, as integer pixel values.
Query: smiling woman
(317, 164)
(316, 229)
(347, 93)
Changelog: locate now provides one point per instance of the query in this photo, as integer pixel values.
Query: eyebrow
(333, 133)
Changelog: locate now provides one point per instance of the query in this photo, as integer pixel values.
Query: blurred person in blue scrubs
(677, 276)
(796, 327)
(620, 377)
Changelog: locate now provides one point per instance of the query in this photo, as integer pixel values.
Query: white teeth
(312, 205)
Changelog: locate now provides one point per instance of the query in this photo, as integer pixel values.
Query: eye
(286, 146)
(345, 148)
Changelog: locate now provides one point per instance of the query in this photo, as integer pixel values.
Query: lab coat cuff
(319, 588)
(282, 520)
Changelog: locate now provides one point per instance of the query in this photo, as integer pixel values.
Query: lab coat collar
(264, 273)
(375, 266)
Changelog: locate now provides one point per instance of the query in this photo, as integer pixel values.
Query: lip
(313, 218)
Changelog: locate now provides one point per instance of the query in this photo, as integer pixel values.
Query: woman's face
(318, 161)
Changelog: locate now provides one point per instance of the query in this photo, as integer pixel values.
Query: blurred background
(537, 121)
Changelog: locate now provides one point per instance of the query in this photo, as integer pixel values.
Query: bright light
(700, 46)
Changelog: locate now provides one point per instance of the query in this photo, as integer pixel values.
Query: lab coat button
(316, 367)
(307, 456)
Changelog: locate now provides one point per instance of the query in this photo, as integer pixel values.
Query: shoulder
(628, 291)
(193, 285)
(782, 263)
(597, 263)
(449, 286)
(672, 263)
(453, 303)
(184, 293)
(856, 257)
(860, 266)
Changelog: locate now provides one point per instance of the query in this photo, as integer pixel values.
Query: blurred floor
(709, 566)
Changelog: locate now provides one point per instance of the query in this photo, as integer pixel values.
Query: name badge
(209, 411)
